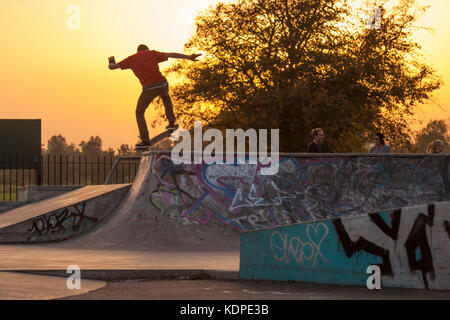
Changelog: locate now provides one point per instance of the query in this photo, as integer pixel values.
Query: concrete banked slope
(201, 206)
(60, 217)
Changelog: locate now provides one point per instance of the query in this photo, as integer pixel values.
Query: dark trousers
(144, 101)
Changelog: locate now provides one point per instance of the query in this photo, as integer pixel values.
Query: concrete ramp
(60, 217)
(141, 222)
(207, 206)
(411, 247)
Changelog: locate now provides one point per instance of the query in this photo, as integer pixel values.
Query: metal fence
(63, 170)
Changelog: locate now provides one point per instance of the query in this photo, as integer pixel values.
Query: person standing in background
(436, 146)
(317, 146)
(380, 145)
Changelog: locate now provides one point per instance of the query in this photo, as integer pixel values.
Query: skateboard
(158, 138)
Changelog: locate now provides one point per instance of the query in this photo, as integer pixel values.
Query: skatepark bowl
(321, 219)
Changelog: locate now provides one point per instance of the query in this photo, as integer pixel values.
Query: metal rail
(116, 164)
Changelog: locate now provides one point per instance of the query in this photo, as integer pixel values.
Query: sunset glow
(59, 75)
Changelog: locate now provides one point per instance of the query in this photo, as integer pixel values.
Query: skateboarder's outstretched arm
(193, 57)
(112, 63)
(175, 55)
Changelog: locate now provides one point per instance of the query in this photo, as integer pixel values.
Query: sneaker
(143, 145)
(172, 127)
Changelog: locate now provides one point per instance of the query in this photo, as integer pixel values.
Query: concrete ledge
(314, 155)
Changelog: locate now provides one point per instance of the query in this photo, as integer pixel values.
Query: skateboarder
(144, 64)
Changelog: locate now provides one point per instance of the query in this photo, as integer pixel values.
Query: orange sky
(436, 47)
(59, 75)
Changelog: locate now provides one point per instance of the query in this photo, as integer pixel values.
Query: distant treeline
(92, 149)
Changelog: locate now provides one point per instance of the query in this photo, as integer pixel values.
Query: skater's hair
(142, 47)
(381, 136)
(315, 132)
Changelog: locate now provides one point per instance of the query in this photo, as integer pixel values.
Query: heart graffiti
(300, 250)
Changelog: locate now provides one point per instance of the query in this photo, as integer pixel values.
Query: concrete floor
(53, 257)
(248, 290)
(15, 286)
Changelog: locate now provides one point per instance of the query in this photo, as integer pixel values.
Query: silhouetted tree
(296, 65)
(125, 150)
(57, 145)
(92, 148)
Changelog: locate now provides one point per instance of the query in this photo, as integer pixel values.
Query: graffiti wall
(305, 188)
(35, 223)
(411, 247)
(59, 222)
